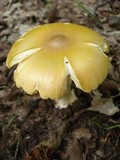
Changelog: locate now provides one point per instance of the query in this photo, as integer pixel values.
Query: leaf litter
(31, 128)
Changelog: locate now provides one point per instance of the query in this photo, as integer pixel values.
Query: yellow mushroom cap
(47, 54)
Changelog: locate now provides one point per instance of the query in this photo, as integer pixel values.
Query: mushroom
(51, 56)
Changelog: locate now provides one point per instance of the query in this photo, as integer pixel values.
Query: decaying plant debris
(31, 128)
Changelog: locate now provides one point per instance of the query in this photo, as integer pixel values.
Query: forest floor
(32, 128)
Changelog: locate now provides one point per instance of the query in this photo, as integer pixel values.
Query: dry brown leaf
(82, 133)
(73, 151)
(104, 105)
(38, 154)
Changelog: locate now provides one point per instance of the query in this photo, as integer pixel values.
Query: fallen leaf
(104, 105)
(82, 133)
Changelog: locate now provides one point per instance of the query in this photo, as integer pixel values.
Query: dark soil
(32, 128)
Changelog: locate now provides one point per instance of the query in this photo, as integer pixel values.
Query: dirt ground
(32, 128)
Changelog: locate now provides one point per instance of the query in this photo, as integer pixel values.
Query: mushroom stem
(67, 99)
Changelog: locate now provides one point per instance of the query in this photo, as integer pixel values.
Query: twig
(117, 141)
(17, 148)
(111, 33)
